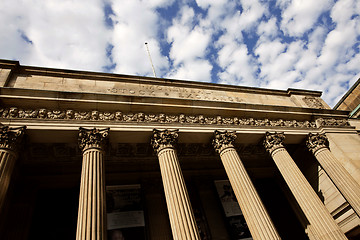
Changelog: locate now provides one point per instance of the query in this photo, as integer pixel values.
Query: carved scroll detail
(273, 141)
(332, 122)
(316, 141)
(223, 140)
(93, 138)
(162, 139)
(11, 138)
(313, 102)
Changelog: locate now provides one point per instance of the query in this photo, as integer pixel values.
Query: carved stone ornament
(161, 118)
(317, 141)
(313, 102)
(273, 141)
(11, 138)
(162, 139)
(223, 140)
(332, 122)
(93, 138)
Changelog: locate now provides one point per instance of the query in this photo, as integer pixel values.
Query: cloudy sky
(309, 44)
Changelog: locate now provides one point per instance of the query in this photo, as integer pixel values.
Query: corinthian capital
(223, 140)
(11, 138)
(93, 138)
(164, 139)
(316, 141)
(273, 141)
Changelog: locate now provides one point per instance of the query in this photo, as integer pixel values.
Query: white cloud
(253, 10)
(63, 34)
(338, 43)
(279, 70)
(217, 10)
(308, 45)
(130, 34)
(268, 28)
(343, 10)
(159, 3)
(188, 47)
(268, 51)
(195, 70)
(238, 66)
(187, 43)
(300, 16)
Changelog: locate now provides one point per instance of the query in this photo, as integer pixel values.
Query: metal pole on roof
(152, 66)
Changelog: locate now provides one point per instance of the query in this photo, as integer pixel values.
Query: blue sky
(272, 44)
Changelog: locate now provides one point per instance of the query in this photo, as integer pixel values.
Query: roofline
(347, 94)
(15, 65)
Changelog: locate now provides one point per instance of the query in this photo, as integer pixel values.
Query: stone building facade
(89, 155)
(351, 101)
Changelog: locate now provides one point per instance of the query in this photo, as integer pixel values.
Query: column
(91, 224)
(10, 140)
(181, 215)
(318, 216)
(255, 214)
(318, 144)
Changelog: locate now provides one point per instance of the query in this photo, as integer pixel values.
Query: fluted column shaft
(318, 144)
(7, 163)
(181, 215)
(10, 139)
(91, 224)
(314, 210)
(255, 214)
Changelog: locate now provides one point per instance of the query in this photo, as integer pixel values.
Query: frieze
(332, 122)
(140, 117)
(126, 152)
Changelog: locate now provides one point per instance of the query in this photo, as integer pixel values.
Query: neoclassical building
(87, 155)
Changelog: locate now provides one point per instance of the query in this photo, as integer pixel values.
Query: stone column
(255, 214)
(10, 139)
(91, 224)
(318, 144)
(181, 215)
(318, 216)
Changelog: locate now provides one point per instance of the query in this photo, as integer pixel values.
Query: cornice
(9, 64)
(43, 71)
(163, 118)
(352, 88)
(26, 98)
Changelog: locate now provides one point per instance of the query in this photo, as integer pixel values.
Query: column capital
(223, 140)
(317, 141)
(162, 139)
(273, 141)
(93, 138)
(10, 138)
